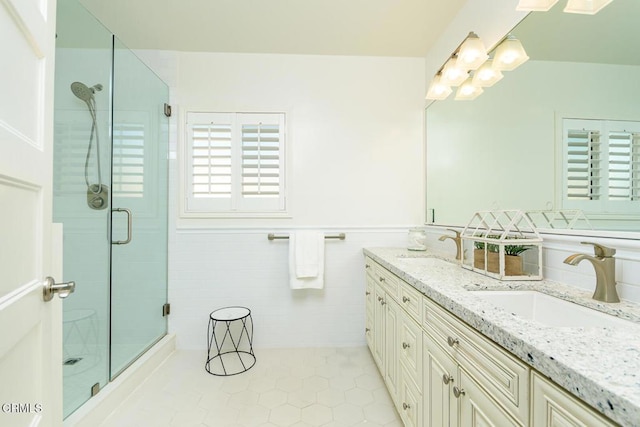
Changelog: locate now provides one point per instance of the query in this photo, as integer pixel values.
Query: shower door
(110, 170)
(139, 209)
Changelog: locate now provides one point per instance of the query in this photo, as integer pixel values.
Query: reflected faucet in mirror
(456, 239)
(605, 266)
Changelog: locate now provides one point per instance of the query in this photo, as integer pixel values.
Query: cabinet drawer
(411, 301)
(409, 401)
(369, 266)
(504, 377)
(410, 349)
(370, 293)
(390, 283)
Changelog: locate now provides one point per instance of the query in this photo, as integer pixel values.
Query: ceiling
(402, 28)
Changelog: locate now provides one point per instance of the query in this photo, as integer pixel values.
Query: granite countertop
(598, 365)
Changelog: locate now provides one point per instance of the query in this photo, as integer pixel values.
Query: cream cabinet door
(553, 407)
(370, 312)
(379, 332)
(476, 406)
(440, 375)
(392, 371)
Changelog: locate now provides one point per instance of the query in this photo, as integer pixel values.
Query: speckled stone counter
(601, 366)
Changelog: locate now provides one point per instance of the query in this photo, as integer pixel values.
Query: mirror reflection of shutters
(583, 164)
(624, 165)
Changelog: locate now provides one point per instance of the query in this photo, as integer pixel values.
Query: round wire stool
(230, 356)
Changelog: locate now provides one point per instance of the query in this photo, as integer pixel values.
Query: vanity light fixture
(471, 53)
(437, 89)
(589, 7)
(486, 75)
(536, 5)
(468, 91)
(509, 54)
(452, 73)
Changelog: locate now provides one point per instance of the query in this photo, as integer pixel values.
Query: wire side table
(228, 355)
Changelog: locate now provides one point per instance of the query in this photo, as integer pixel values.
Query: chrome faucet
(605, 266)
(455, 239)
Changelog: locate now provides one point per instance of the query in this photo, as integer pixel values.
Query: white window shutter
(261, 174)
(236, 162)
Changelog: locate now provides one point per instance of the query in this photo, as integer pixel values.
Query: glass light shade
(589, 7)
(468, 91)
(486, 75)
(452, 74)
(536, 5)
(438, 90)
(509, 55)
(472, 53)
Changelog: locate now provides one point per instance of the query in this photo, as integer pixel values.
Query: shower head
(83, 92)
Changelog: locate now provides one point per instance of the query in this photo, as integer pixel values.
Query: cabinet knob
(366, 330)
(383, 302)
(446, 378)
(381, 279)
(367, 293)
(405, 345)
(405, 299)
(379, 298)
(405, 406)
(367, 266)
(452, 341)
(457, 392)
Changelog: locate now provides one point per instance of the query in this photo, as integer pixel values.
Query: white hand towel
(306, 260)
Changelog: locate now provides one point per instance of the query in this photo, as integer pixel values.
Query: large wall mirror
(559, 133)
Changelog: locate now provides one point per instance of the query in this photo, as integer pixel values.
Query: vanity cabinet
(453, 396)
(395, 339)
(551, 406)
(382, 334)
(441, 372)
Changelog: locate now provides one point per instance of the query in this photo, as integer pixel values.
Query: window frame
(232, 209)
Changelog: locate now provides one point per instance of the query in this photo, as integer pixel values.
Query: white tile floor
(287, 387)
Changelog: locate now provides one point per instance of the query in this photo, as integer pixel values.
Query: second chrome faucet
(605, 266)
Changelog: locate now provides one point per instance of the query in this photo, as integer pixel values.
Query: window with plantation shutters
(601, 165)
(235, 164)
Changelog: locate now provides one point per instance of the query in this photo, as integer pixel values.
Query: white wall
(356, 166)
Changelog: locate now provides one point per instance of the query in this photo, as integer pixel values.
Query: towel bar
(340, 236)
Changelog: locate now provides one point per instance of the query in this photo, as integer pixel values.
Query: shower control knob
(62, 289)
(97, 202)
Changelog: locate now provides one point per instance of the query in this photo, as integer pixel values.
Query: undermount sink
(550, 311)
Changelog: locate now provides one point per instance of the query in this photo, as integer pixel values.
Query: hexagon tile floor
(332, 387)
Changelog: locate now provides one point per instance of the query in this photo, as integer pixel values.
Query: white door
(30, 329)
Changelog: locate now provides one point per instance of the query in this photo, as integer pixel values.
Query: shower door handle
(129, 226)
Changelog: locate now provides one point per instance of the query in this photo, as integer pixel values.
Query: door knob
(62, 289)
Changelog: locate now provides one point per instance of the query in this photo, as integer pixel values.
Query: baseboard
(98, 408)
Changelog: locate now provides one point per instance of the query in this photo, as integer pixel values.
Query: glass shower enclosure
(110, 194)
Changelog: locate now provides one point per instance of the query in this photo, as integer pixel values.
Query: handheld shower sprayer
(97, 194)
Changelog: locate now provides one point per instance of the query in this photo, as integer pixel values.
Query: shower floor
(287, 387)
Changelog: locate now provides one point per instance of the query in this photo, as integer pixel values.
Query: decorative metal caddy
(502, 244)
